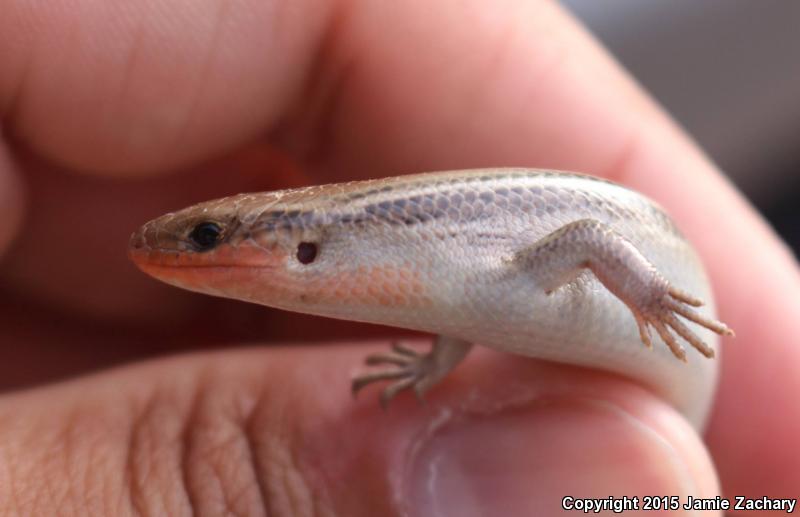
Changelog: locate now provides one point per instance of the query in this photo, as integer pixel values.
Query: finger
(276, 433)
(120, 86)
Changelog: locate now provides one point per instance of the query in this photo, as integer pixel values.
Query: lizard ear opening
(307, 252)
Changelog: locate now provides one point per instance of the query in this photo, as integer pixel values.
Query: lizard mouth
(221, 274)
(164, 262)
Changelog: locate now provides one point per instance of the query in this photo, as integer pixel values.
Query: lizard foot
(412, 369)
(662, 317)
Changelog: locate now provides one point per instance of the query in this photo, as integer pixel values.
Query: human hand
(100, 103)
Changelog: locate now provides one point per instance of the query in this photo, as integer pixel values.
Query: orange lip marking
(196, 270)
(225, 255)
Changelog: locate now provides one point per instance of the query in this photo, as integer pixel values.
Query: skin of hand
(102, 102)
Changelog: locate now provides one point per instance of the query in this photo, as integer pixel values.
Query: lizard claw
(661, 316)
(411, 370)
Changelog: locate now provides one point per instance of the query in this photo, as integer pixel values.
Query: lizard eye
(205, 235)
(306, 252)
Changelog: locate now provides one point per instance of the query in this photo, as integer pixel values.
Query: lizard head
(285, 249)
(228, 246)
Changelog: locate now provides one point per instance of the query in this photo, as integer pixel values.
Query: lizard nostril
(137, 240)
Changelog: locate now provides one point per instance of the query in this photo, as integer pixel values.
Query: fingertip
(544, 434)
(554, 452)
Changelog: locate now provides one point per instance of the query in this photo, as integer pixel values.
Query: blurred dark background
(729, 72)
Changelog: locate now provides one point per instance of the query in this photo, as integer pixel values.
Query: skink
(557, 266)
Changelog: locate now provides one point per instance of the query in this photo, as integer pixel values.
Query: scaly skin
(557, 266)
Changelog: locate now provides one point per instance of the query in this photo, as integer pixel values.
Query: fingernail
(530, 461)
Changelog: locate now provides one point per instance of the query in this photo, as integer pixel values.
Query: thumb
(275, 432)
